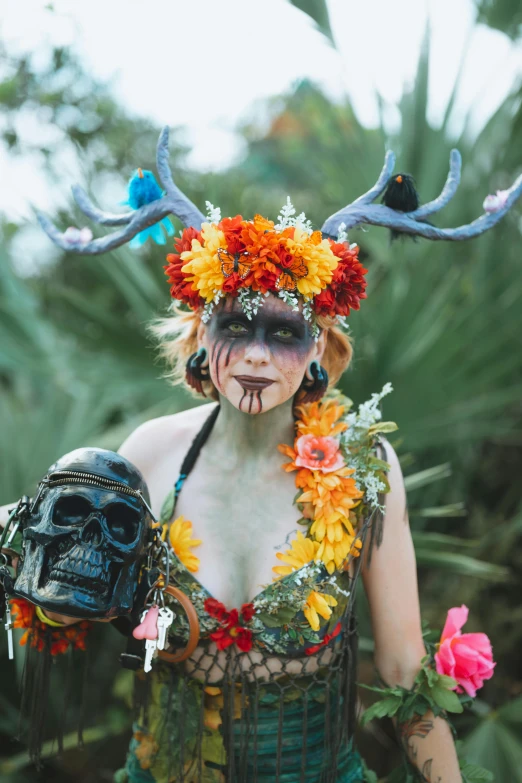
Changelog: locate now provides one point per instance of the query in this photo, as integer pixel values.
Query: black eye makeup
(283, 329)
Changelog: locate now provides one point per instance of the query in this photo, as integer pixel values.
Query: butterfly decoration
(288, 277)
(235, 262)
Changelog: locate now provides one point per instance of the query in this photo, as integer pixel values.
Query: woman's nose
(257, 353)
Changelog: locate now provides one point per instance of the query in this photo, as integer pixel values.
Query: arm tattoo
(426, 773)
(420, 727)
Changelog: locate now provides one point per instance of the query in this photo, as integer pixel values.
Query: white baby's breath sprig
(342, 235)
(208, 309)
(250, 301)
(287, 218)
(290, 299)
(213, 213)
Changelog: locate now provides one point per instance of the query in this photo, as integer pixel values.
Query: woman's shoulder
(164, 436)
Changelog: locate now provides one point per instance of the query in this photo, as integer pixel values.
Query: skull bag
(85, 536)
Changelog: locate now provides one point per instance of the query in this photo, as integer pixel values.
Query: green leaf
(382, 708)
(282, 617)
(446, 699)
(471, 773)
(383, 426)
(447, 682)
(167, 508)
(318, 11)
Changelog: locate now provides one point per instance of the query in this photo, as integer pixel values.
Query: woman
(241, 504)
(268, 693)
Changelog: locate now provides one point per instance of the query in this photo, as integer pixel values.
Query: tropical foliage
(441, 323)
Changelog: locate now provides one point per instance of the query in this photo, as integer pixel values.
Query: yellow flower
(317, 256)
(181, 541)
(334, 553)
(318, 604)
(302, 552)
(202, 263)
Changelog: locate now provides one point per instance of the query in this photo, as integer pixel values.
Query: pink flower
(467, 657)
(497, 202)
(318, 453)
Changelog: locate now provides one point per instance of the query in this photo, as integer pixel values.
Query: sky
(206, 65)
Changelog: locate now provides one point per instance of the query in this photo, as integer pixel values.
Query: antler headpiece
(250, 258)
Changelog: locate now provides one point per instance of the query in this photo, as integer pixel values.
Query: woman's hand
(64, 619)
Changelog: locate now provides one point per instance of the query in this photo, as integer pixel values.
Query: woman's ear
(320, 345)
(201, 335)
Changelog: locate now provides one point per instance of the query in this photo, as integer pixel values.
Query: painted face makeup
(261, 363)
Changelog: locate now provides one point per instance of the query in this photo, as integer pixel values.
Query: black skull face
(84, 544)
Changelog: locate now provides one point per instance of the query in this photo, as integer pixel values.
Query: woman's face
(260, 363)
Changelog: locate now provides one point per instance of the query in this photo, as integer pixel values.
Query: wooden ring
(194, 629)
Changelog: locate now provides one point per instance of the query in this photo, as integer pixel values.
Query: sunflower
(181, 541)
(318, 604)
(303, 550)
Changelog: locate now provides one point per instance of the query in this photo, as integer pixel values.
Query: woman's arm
(391, 586)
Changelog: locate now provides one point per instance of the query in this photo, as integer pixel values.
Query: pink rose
(467, 657)
(318, 453)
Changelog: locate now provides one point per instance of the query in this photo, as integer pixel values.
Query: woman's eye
(237, 328)
(284, 332)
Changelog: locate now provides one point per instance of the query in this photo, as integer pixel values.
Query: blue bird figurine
(142, 189)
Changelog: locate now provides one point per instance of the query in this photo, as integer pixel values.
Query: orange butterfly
(288, 278)
(235, 262)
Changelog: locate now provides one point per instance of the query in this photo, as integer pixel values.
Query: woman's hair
(176, 336)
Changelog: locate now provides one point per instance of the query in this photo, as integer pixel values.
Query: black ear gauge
(195, 372)
(315, 383)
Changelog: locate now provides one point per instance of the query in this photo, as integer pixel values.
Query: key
(9, 628)
(151, 645)
(165, 618)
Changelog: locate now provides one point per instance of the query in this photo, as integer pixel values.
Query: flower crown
(252, 258)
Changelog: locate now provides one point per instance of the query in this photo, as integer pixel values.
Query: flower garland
(36, 632)
(340, 482)
(251, 258)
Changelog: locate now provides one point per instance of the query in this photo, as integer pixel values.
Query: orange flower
(330, 494)
(318, 453)
(319, 418)
(36, 632)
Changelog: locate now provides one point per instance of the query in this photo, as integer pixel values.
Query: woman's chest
(243, 516)
(242, 522)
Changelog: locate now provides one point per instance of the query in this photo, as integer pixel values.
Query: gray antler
(174, 202)
(362, 210)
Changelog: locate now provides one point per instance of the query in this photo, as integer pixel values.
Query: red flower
(348, 284)
(326, 640)
(231, 632)
(180, 288)
(247, 612)
(232, 228)
(232, 283)
(216, 609)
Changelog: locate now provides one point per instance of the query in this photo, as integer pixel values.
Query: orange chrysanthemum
(320, 418)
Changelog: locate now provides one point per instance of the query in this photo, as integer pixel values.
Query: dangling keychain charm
(9, 628)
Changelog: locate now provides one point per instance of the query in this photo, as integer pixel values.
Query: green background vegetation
(442, 322)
